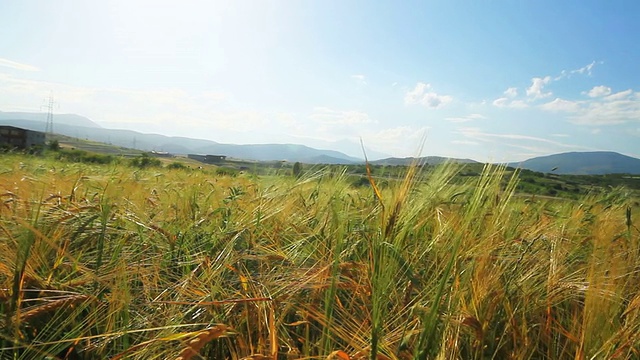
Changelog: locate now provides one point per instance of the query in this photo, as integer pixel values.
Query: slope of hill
(431, 160)
(329, 160)
(583, 163)
(68, 125)
(268, 152)
(14, 118)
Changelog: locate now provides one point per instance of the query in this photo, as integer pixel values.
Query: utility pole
(49, 127)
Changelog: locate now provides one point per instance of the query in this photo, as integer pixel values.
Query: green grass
(101, 261)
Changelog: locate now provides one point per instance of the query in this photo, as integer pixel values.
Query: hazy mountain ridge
(431, 160)
(66, 119)
(575, 163)
(583, 163)
(67, 125)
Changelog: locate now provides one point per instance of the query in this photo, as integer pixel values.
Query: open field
(112, 261)
(67, 142)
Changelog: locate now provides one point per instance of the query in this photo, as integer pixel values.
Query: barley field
(113, 262)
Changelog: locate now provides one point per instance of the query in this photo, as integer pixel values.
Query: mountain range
(431, 160)
(583, 163)
(83, 128)
(577, 163)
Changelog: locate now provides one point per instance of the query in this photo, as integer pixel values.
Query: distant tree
(54, 145)
(145, 161)
(297, 169)
(176, 165)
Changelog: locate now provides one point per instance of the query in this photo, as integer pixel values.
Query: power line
(49, 127)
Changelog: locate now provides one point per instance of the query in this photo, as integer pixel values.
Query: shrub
(176, 165)
(361, 181)
(145, 161)
(297, 169)
(225, 171)
(54, 145)
(81, 156)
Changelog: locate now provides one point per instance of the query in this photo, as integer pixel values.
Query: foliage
(81, 156)
(104, 262)
(297, 169)
(145, 161)
(53, 145)
(226, 171)
(176, 165)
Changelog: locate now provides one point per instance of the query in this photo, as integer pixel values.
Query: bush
(54, 145)
(297, 169)
(360, 182)
(176, 165)
(81, 156)
(225, 171)
(145, 161)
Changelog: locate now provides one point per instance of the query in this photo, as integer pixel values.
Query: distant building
(209, 159)
(161, 154)
(20, 138)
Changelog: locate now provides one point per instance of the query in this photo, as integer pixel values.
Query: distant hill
(74, 126)
(268, 152)
(431, 160)
(329, 160)
(67, 119)
(583, 163)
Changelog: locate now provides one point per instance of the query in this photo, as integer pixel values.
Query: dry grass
(102, 262)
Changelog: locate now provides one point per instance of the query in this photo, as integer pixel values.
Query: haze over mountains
(432, 160)
(41, 118)
(83, 128)
(578, 163)
(583, 163)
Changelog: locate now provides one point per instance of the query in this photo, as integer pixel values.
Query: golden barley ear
(201, 339)
(339, 354)
(474, 325)
(51, 306)
(257, 357)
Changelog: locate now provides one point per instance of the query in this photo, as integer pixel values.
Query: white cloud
(585, 69)
(511, 92)
(619, 108)
(561, 105)
(398, 140)
(508, 103)
(17, 66)
(537, 85)
(532, 144)
(537, 89)
(501, 102)
(213, 96)
(13, 90)
(328, 116)
(467, 118)
(360, 78)
(599, 91)
(478, 134)
(287, 119)
(518, 104)
(619, 95)
(422, 94)
(465, 142)
(168, 110)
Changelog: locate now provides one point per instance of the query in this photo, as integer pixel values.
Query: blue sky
(488, 80)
